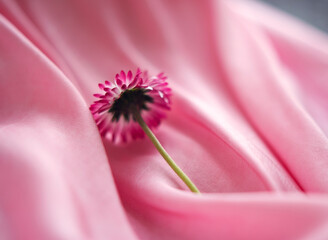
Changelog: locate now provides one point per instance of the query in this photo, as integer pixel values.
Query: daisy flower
(117, 105)
(132, 105)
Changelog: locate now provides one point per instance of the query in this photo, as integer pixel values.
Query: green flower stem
(165, 155)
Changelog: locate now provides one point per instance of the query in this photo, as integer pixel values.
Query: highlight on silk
(139, 120)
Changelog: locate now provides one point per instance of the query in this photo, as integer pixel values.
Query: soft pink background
(249, 122)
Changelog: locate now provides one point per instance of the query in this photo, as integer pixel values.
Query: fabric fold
(248, 122)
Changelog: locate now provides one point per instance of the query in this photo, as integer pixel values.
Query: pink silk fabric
(249, 122)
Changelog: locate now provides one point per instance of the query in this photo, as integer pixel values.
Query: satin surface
(248, 122)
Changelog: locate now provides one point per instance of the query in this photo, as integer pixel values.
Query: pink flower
(115, 109)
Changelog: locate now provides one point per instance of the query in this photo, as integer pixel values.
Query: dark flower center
(130, 102)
